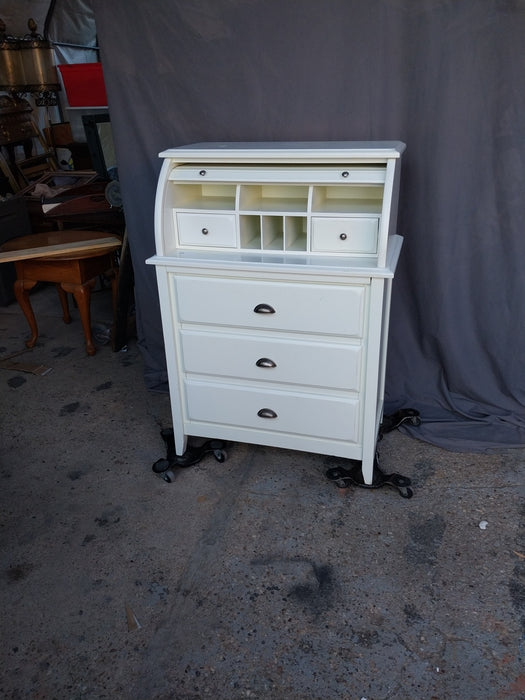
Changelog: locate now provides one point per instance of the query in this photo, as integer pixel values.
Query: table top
(66, 245)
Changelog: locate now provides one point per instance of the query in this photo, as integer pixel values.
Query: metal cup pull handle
(266, 413)
(265, 362)
(264, 309)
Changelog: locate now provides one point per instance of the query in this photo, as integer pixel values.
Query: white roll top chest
(274, 265)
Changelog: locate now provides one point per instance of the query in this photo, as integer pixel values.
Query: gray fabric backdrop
(445, 76)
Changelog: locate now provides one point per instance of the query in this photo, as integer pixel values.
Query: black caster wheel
(405, 492)
(160, 466)
(220, 455)
(162, 469)
(168, 476)
(340, 477)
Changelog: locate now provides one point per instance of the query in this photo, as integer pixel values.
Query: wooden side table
(72, 260)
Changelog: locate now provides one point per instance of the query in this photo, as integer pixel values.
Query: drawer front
(208, 230)
(330, 365)
(340, 174)
(275, 411)
(345, 235)
(315, 308)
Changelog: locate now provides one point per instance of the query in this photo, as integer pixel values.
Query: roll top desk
(274, 264)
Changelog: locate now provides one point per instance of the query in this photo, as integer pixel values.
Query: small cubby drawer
(208, 230)
(352, 235)
(298, 413)
(270, 359)
(308, 308)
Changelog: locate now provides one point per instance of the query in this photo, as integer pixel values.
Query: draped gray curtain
(445, 76)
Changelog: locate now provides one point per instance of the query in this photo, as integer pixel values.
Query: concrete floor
(255, 578)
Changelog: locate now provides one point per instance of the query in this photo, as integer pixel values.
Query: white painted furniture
(274, 264)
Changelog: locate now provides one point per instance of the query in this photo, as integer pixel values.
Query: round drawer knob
(345, 173)
(205, 231)
(342, 236)
(202, 172)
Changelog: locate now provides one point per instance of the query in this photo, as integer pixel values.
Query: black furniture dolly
(164, 467)
(354, 477)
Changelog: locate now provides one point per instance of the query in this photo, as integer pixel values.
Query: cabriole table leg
(82, 294)
(22, 288)
(64, 303)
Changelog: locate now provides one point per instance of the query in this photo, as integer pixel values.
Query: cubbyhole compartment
(250, 231)
(277, 198)
(204, 196)
(295, 233)
(272, 232)
(348, 199)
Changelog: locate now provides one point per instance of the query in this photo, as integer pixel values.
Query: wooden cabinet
(274, 264)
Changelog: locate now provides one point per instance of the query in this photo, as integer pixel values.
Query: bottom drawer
(278, 411)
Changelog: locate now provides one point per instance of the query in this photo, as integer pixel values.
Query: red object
(84, 84)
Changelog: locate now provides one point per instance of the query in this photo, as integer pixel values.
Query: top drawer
(339, 174)
(310, 308)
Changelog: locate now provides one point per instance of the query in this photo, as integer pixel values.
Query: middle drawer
(262, 358)
(287, 306)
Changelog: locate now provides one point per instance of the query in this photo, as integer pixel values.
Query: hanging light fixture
(27, 66)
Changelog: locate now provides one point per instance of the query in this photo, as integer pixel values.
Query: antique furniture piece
(274, 264)
(72, 260)
(17, 127)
